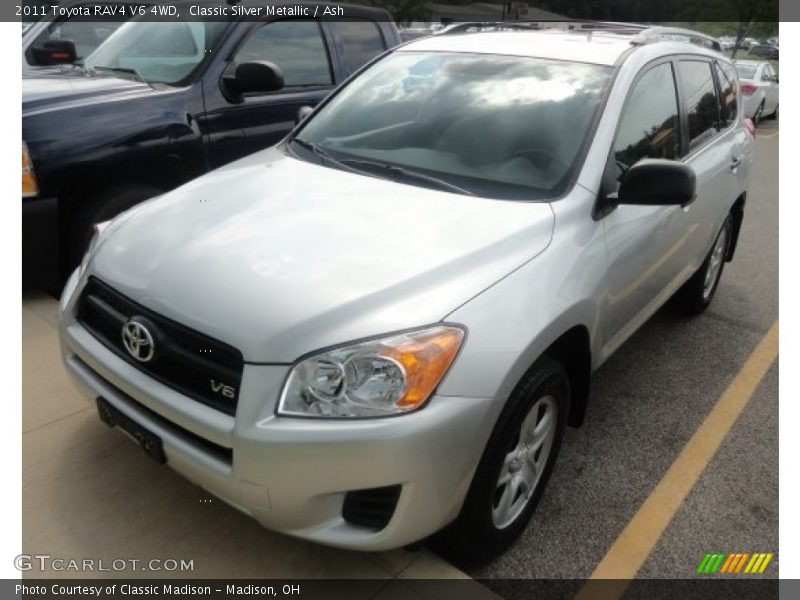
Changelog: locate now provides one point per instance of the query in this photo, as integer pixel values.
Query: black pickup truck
(160, 103)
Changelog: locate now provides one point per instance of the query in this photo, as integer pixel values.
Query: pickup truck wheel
(697, 293)
(514, 468)
(105, 204)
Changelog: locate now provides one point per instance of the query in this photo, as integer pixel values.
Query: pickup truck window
(86, 35)
(360, 41)
(157, 52)
(649, 125)
(701, 100)
(297, 47)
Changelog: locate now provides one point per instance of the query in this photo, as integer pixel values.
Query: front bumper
(292, 474)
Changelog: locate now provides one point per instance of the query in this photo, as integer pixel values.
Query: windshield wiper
(410, 174)
(311, 146)
(130, 70)
(388, 169)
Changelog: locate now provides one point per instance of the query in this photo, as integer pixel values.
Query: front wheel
(514, 468)
(697, 293)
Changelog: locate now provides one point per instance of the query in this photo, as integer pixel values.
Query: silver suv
(380, 327)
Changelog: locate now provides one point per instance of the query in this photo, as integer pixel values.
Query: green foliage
(660, 11)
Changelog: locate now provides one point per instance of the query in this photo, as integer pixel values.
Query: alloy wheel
(715, 263)
(525, 462)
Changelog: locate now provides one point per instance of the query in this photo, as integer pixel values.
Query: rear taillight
(750, 127)
(747, 89)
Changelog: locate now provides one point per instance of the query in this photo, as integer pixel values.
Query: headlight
(376, 378)
(29, 185)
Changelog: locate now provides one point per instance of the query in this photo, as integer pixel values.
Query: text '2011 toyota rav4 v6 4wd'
(380, 327)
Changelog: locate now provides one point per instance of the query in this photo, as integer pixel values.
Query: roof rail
(478, 26)
(604, 26)
(568, 25)
(653, 34)
(642, 34)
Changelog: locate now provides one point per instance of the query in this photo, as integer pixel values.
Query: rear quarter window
(728, 101)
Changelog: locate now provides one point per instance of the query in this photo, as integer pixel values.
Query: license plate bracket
(149, 441)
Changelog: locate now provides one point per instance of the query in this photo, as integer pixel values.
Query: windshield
(746, 71)
(495, 126)
(157, 52)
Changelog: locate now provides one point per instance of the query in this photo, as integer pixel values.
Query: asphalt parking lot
(89, 493)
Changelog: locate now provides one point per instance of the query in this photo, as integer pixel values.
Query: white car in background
(758, 82)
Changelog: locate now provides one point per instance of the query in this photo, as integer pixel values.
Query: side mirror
(55, 52)
(256, 76)
(658, 182)
(302, 113)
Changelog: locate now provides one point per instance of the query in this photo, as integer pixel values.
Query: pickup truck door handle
(735, 162)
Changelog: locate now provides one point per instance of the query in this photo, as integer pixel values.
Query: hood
(53, 88)
(280, 257)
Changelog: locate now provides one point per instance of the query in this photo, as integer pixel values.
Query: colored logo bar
(734, 563)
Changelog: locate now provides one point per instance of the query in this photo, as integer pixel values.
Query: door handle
(735, 162)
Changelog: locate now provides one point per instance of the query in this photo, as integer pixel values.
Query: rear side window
(650, 125)
(359, 41)
(297, 47)
(768, 74)
(746, 71)
(701, 100)
(728, 101)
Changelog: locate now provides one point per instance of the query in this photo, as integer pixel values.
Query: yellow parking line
(769, 136)
(628, 553)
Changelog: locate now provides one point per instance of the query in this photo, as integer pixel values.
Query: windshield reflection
(497, 126)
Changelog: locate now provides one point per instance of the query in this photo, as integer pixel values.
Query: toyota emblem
(138, 340)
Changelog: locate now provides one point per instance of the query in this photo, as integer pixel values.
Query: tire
(698, 292)
(758, 115)
(483, 528)
(101, 206)
(773, 115)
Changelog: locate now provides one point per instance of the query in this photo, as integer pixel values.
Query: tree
(747, 17)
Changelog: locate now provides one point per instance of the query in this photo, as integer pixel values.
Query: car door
(735, 138)
(715, 154)
(645, 245)
(236, 126)
(770, 81)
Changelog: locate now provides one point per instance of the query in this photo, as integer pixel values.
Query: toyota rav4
(380, 327)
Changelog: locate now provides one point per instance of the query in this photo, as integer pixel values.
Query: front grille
(372, 508)
(189, 362)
